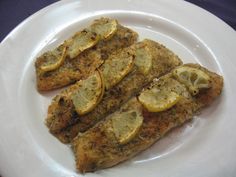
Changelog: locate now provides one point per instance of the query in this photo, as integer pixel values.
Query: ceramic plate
(204, 147)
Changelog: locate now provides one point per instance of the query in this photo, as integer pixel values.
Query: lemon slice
(81, 41)
(156, 100)
(88, 94)
(53, 59)
(104, 27)
(143, 59)
(126, 125)
(115, 69)
(193, 78)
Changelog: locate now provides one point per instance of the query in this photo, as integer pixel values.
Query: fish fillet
(84, 64)
(98, 148)
(63, 121)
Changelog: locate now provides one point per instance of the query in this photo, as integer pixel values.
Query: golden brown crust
(86, 63)
(98, 148)
(163, 61)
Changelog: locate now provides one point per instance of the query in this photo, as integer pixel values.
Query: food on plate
(84, 53)
(194, 79)
(53, 59)
(156, 100)
(104, 27)
(114, 140)
(80, 42)
(143, 60)
(115, 69)
(64, 122)
(122, 95)
(125, 125)
(87, 93)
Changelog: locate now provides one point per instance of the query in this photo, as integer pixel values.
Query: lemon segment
(81, 41)
(156, 100)
(126, 125)
(104, 27)
(194, 79)
(88, 94)
(143, 60)
(115, 69)
(53, 59)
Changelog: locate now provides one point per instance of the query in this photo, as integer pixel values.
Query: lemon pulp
(80, 42)
(156, 100)
(115, 69)
(126, 125)
(53, 59)
(104, 27)
(195, 79)
(143, 59)
(88, 94)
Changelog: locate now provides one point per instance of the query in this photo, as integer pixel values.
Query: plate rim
(60, 3)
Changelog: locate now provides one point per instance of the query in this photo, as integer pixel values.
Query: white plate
(205, 147)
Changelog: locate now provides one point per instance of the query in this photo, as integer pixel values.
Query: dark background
(12, 12)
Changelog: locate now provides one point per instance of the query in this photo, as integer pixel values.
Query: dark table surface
(12, 12)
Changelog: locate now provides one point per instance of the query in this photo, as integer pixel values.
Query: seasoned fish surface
(84, 64)
(62, 119)
(98, 147)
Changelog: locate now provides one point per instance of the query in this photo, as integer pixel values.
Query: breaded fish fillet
(98, 147)
(65, 123)
(84, 64)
